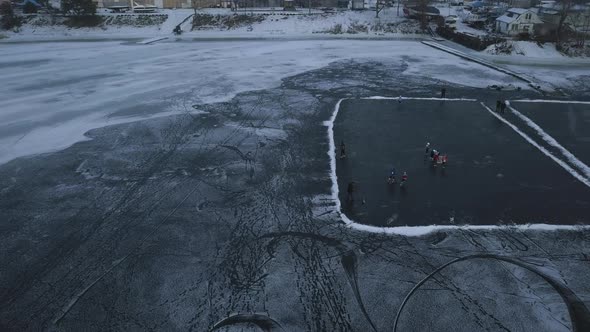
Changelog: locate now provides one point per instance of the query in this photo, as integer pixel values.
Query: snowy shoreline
(213, 37)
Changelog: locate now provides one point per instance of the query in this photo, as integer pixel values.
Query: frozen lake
(187, 186)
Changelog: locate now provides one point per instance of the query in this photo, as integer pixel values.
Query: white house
(516, 21)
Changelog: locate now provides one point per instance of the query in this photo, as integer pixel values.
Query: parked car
(144, 8)
(451, 22)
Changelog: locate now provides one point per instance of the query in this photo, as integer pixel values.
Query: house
(516, 21)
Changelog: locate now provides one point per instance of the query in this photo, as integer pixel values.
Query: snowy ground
(46, 32)
(528, 49)
(460, 13)
(358, 24)
(274, 25)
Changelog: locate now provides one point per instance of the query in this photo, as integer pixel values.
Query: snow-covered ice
(58, 91)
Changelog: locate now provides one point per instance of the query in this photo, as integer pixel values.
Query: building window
(527, 16)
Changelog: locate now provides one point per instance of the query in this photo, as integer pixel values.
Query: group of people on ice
(391, 179)
(436, 159)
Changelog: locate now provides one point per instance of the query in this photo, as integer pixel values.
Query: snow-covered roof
(549, 12)
(506, 19)
(518, 11)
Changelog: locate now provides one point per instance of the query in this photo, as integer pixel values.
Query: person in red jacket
(404, 179)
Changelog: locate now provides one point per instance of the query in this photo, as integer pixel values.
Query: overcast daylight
(295, 165)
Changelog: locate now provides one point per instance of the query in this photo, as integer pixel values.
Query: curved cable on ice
(262, 321)
(348, 259)
(578, 312)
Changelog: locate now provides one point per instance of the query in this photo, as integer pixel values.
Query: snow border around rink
(418, 230)
(554, 101)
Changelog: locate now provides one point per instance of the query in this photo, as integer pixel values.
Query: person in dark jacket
(350, 191)
(503, 106)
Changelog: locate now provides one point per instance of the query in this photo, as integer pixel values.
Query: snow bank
(281, 23)
(525, 48)
(114, 26)
(223, 23)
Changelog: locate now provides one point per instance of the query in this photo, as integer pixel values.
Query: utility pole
(309, 6)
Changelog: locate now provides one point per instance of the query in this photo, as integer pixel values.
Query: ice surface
(551, 141)
(423, 230)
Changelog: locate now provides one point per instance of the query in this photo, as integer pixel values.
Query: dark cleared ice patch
(70, 81)
(27, 63)
(25, 126)
(140, 110)
(493, 176)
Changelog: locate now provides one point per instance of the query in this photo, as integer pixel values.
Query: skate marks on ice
(348, 260)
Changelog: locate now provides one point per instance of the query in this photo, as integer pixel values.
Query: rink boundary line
(554, 101)
(152, 40)
(424, 230)
(482, 62)
(553, 142)
(412, 98)
(560, 162)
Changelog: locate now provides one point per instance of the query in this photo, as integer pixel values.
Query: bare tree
(585, 29)
(422, 9)
(379, 6)
(580, 22)
(564, 12)
(196, 5)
